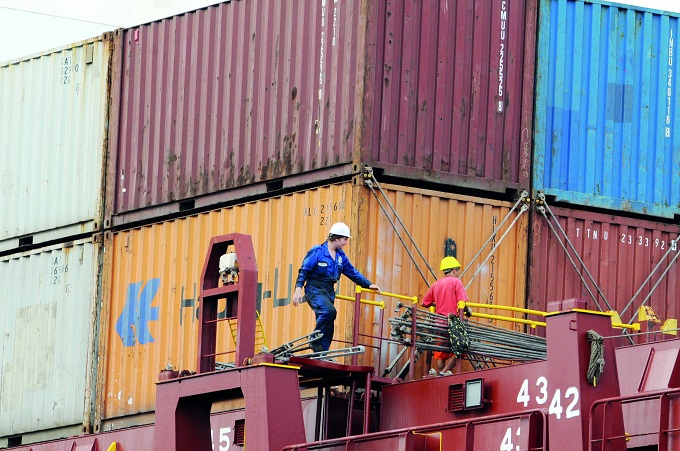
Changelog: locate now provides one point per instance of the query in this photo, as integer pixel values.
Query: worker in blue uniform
(321, 268)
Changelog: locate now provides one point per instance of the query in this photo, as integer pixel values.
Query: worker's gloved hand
(297, 296)
(374, 287)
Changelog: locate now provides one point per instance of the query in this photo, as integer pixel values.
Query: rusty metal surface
(426, 91)
(619, 252)
(230, 95)
(47, 324)
(53, 131)
(450, 90)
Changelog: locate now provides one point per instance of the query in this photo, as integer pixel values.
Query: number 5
(224, 438)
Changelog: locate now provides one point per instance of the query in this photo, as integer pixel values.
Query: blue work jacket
(318, 268)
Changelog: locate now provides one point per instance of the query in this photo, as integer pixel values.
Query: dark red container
(449, 91)
(619, 252)
(275, 94)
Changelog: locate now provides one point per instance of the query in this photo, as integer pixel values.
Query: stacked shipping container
(53, 134)
(606, 124)
(258, 91)
(605, 137)
(48, 326)
(244, 99)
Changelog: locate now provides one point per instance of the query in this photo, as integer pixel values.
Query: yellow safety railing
(380, 304)
(413, 299)
(463, 304)
(616, 320)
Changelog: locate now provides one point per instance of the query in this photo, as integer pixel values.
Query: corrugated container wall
(53, 131)
(441, 225)
(607, 130)
(249, 92)
(626, 257)
(450, 91)
(234, 94)
(47, 319)
(156, 269)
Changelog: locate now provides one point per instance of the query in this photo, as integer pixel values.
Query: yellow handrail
(616, 321)
(380, 304)
(532, 323)
(615, 318)
(413, 299)
(463, 304)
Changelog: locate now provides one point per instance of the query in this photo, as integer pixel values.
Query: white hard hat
(340, 228)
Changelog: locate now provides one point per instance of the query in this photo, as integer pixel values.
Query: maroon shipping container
(619, 252)
(450, 91)
(249, 93)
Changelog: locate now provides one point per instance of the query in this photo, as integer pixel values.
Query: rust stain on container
(230, 95)
(247, 92)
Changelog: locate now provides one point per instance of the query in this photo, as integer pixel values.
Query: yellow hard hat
(449, 263)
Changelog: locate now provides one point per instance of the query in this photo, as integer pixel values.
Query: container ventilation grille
(240, 433)
(456, 398)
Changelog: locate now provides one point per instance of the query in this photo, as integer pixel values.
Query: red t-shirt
(445, 293)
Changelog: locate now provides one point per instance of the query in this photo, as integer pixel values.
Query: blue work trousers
(320, 299)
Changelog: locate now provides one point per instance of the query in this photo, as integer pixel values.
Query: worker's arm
(356, 277)
(428, 299)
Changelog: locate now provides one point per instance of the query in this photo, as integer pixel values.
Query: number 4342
(570, 395)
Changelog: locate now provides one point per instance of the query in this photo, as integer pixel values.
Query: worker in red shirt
(445, 294)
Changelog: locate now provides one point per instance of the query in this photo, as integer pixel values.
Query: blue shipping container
(606, 129)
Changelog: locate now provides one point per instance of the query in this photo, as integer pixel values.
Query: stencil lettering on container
(133, 323)
(501, 56)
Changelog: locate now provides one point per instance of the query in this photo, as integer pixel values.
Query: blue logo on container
(133, 324)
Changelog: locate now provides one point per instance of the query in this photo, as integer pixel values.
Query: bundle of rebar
(435, 332)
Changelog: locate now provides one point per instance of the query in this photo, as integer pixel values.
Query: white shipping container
(53, 131)
(47, 324)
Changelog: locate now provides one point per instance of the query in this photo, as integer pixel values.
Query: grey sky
(32, 26)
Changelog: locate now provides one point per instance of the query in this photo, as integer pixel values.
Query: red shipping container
(620, 253)
(273, 95)
(450, 91)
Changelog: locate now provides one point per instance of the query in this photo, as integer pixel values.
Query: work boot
(316, 347)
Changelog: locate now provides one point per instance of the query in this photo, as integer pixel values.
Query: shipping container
(155, 270)
(449, 92)
(607, 129)
(440, 225)
(47, 321)
(249, 93)
(632, 262)
(230, 95)
(53, 132)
